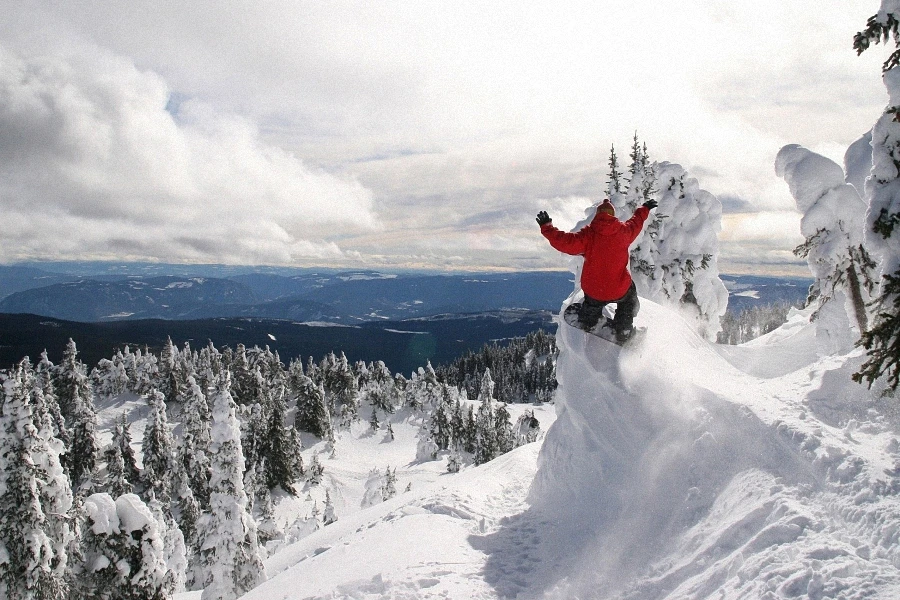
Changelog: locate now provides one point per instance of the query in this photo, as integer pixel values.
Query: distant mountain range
(349, 297)
(99, 292)
(300, 312)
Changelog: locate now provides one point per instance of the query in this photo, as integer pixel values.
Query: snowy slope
(675, 469)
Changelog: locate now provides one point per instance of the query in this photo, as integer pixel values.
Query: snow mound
(679, 469)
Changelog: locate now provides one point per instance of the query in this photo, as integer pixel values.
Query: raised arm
(570, 243)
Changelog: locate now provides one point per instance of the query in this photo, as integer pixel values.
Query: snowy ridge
(677, 469)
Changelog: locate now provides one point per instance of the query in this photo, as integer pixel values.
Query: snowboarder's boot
(623, 335)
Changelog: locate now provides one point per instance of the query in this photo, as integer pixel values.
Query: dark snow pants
(626, 309)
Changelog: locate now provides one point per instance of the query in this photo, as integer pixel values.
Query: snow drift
(679, 469)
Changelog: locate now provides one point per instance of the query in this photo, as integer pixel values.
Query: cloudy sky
(411, 134)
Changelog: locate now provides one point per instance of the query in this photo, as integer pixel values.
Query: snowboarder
(604, 277)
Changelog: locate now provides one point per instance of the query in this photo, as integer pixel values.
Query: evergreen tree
(186, 512)
(389, 487)
(44, 376)
(328, 514)
(315, 471)
(193, 453)
(244, 377)
(109, 377)
(614, 184)
(312, 414)
(470, 433)
(117, 483)
(834, 228)
(485, 427)
(174, 548)
(158, 450)
(35, 558)
(882, 339)
(503, 430)
(123, 550)
(75, 397)
(229, 562)
(280, 450)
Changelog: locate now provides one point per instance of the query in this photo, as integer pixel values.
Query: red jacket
(604, 245)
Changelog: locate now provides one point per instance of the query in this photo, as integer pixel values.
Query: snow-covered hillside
(674, 469)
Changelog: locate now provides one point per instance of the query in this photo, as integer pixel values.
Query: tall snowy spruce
(35, 499)
(882, 340)
(193, 452)
(229, 563)
(674, 261)
(834, 227)
(76, 401)
(486, 444)
(158, 450)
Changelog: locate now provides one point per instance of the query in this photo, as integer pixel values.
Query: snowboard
(601, 330)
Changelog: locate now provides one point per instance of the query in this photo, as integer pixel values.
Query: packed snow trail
(676, 469)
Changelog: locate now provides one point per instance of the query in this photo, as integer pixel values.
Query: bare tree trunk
(859, 306)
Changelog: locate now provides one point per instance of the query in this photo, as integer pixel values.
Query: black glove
(651, 204)
(543, 218)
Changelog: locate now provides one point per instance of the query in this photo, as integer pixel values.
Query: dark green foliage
(312, 414)
(158, 450)
(885, 223)
(882, 341)
(878, 31)
(614, 185)
(522, 371)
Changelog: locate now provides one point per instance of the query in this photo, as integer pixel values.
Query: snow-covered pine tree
(328, 514)
(389, 487)
(43, 374)
(117, 482)
(267, 525)
(186, 512)
(174, 548)
(109, 377)
(146, 372)
(123, 550)
(315, 471)
(54, 485)
(280, 450)
(341, 382)
(614, 183)
(158, 450)
(675, 262)
(834, 227)
(503, 430)
(193, 451)
(527, 428)
(470, 431)
(312, 414)
(229, 563)
(882, 339)
(32, 543)
(485, 426)
(76, 402)
(244, 379)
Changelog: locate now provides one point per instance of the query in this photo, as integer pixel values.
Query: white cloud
(94, 165)
(459, 117)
